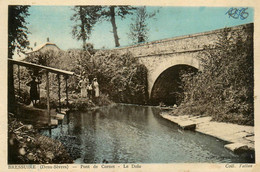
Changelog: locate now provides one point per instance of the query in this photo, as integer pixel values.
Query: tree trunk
(83, 32)
(84, 44)
(11, 95)
(113, 22)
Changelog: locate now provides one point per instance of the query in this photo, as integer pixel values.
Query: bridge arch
(168, 68)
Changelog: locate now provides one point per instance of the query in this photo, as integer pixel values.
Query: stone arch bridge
(165, 59)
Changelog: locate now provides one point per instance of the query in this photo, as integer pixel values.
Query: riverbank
(75, 101)
(27, 146)
(239, 138)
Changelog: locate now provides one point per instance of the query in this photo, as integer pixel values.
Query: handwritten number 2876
(238, 13)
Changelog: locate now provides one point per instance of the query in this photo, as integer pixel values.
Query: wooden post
(39, 90)
(48, 99)
(67, 98)
(67, 95)
(19, 81)
(58, 76)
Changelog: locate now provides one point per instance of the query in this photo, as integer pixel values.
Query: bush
(121, 77)
(224, 89)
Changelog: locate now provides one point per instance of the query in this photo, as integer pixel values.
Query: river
(138, 134)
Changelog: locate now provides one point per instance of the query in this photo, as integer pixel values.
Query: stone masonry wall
(158, 56)
(187, 43)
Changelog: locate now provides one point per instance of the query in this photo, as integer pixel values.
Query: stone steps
(237, 148)
(240, 138)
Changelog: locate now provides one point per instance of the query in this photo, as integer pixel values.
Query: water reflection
(137, 134)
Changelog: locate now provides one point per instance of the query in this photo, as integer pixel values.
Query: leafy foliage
(17, 29)
(88, 16)
(224, 89)
(122, 77)
(17, 40)
(85, 18)
(139, 28)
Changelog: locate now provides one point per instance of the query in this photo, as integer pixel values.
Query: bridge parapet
(188, 43)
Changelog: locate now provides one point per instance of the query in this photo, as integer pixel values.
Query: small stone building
(44, 47)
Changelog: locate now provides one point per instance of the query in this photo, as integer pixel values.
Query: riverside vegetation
(225, 87)
(121, 77)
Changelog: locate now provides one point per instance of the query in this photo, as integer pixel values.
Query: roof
(33, 65)
(39, 47)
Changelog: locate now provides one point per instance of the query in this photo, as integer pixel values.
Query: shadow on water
(136, 134)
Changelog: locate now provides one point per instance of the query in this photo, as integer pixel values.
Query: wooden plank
(32, 65)
(59, 116)
(64, 111)
(54, 122)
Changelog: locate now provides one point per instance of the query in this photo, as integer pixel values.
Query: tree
(17, 40)
(90, 15)
(87, 16)
(139, 28)
(17, 29)
(110, 13)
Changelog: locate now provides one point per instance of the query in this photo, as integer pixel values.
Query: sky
(54, 22)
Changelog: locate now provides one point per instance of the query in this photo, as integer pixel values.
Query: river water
(137, 134)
